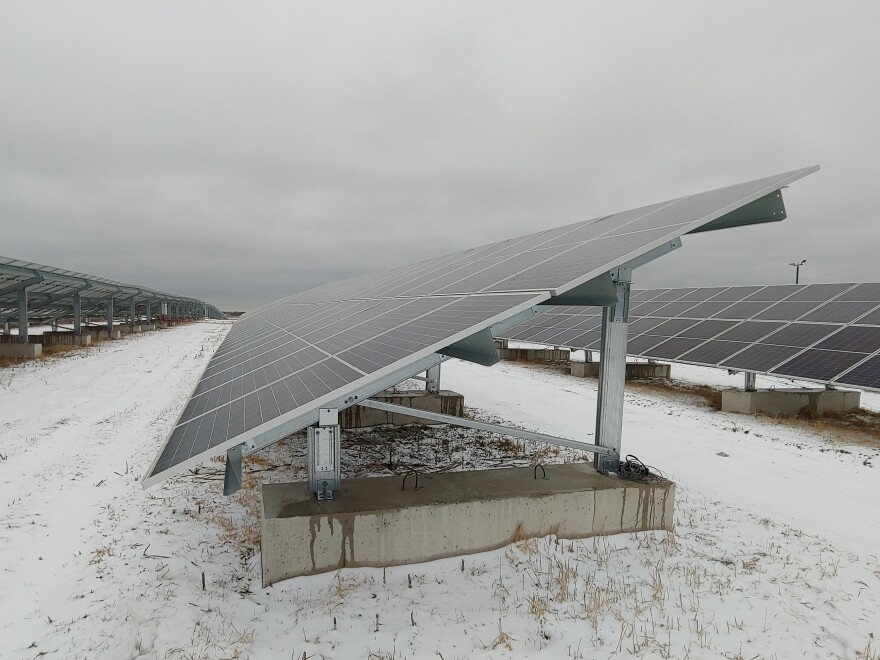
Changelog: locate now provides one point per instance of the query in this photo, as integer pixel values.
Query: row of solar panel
(282, 358)
(843, 350)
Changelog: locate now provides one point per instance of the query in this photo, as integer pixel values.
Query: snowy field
(775, 553)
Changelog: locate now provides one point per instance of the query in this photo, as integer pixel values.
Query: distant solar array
(828, 333)
(50, 292)
(280, 363)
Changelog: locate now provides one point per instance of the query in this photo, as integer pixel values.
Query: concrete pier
(535, 354)
(790, 401)
(14, 349)
(372, 522)
(634, 370)
(446, 402)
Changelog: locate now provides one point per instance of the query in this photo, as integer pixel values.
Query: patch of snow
(774, 553)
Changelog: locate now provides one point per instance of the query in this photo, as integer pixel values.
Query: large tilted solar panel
(828, 333)
(283, 361)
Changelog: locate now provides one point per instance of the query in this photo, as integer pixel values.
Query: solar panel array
(828, 333)
(50, 291)
(290, 357)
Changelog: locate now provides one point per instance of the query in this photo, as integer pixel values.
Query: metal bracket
(232, 476)
(479, 348)
(324, 464)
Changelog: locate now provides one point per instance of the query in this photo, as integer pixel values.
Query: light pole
(797, 269)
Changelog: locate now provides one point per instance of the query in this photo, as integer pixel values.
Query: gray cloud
(241, 152)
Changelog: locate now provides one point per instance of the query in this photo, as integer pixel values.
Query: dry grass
(711, 395)
(861, 427)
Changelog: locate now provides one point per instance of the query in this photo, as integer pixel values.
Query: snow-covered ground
(775, 553)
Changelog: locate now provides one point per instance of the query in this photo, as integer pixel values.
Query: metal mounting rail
(491, 428)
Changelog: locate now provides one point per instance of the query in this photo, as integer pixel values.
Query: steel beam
(22, 316)
(110, 314)
(482, 426)
(21, 285)
(77, 314)
(612, 373)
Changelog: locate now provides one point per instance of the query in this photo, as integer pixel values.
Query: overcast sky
(239, 152)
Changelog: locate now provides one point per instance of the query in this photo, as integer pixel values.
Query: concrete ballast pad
(373, 523)
(789, 401)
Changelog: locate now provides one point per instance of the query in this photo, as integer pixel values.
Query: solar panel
(814, 364)
(786, 311)
(800, 334)
(713, 352)
(866, 374)
(281, 362)
(742, 310)
(760, 357)
(853, 338)
(750, 331)
(707, 329)
(828, 343)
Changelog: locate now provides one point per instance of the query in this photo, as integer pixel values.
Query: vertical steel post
(22, 316)
(149, 311)
(109, 315)
(133, 311)
(612, 373)
(77, 314)
(432, 384)
(5, 326)
(751, 381)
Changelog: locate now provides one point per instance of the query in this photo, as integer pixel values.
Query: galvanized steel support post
(133, 311)
(22, 316)
(149, 311)
(109, 315)
(751, 381)
(612, 373)
(77, 314)
(432, 379)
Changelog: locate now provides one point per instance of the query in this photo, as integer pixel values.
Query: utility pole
(797, 269)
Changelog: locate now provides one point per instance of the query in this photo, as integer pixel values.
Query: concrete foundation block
(21, 350)
(84, 339)
(790, 401)
(373, 523)
(535, 354)
(446, 402)
(634, 370)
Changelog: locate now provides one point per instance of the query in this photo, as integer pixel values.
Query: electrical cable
(632, 469)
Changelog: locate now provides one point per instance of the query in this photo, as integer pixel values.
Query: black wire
(632, 469)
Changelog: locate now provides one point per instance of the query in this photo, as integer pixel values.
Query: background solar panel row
(828, 333)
